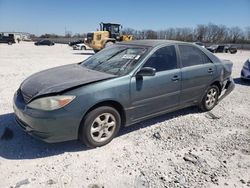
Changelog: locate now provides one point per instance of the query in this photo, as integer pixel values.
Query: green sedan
(119, 86)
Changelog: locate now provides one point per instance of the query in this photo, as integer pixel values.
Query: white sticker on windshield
(128, 56)
(137, 57)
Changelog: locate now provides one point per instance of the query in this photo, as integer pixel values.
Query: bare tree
(247, 33)
(128, 31)
(201, 32)
(150, 34)
(210, 33)
(235, 34)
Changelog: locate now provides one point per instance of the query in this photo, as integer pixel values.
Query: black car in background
(44, 42)
(215, 48)
(230, 49)
(7, 39)
(75, 42)
(222, 48)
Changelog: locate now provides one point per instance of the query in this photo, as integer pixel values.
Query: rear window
(191, 56)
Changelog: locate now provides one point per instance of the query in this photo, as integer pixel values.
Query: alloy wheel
(211, 97)
(103, 127)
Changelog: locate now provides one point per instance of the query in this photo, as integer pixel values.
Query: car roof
(151, 43)
(154, 43)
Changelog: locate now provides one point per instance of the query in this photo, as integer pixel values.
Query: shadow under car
(22, 146)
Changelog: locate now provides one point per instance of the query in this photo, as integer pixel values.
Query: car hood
(59, 79)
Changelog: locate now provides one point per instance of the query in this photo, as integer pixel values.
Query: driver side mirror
(146, 71)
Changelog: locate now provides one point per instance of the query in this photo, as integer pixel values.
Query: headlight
(51, 103)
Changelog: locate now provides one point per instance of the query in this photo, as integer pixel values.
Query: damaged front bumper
(51, 127)
(228, 87)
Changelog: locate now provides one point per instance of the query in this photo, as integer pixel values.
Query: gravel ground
(186, 148)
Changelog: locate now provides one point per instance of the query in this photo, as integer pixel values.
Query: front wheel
(100, 126)
(210, 98)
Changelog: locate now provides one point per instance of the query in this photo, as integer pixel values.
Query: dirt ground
(186, 148)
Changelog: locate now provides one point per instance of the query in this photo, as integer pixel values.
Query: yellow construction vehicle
(108, 34)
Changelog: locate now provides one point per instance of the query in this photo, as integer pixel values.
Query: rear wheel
(210, 98)
(100, 126)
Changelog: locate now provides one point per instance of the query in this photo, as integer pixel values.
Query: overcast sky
(80, 16)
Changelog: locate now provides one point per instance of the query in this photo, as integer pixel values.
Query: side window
(191, 56)
(163, 59)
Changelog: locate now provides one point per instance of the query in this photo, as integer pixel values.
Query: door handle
(210, 70)
(175, 78)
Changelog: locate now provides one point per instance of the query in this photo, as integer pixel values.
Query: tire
(210, 98)
(108, 44)
(100, 126)
(83, 48)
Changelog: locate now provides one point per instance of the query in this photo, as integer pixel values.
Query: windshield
(117, 59)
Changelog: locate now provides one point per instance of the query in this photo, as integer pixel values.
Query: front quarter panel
(116, 89)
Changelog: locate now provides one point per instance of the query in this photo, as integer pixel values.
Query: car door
(46, 42)
(42, 42)
(197, 72)
(153, 94)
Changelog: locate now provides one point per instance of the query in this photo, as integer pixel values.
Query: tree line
(210, 33)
